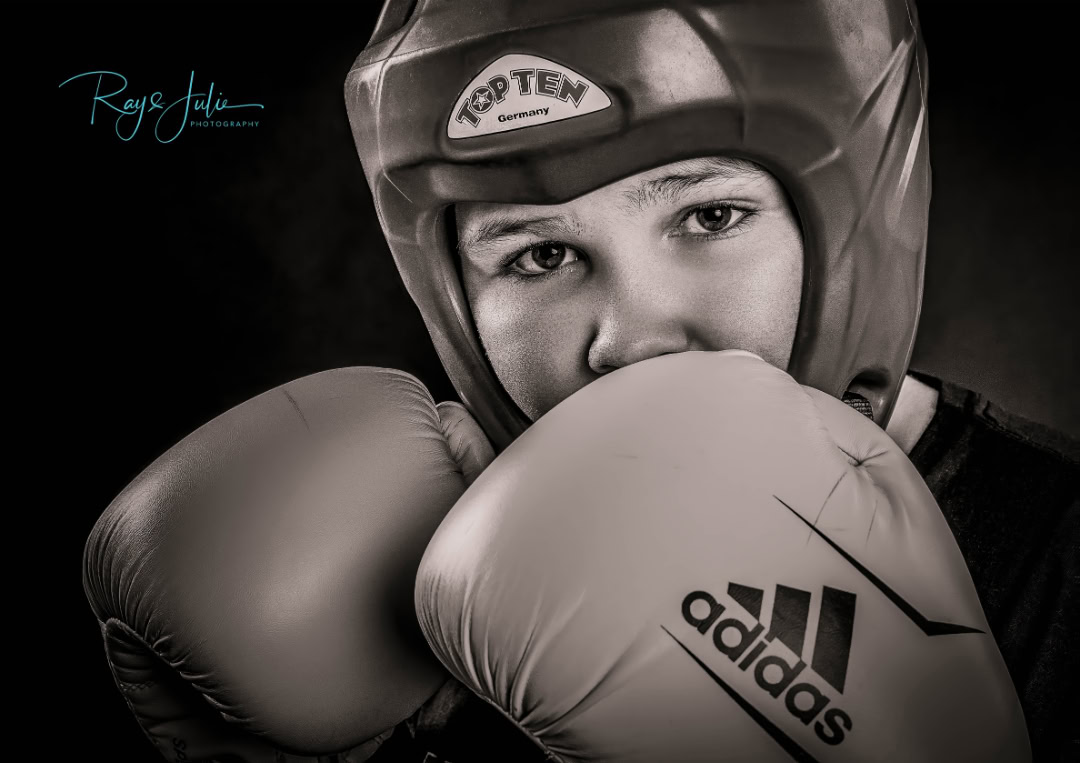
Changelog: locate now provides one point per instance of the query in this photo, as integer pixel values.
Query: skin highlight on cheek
(526, 346)
(512, 353)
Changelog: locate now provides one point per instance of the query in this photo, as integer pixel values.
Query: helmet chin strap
(859, 403)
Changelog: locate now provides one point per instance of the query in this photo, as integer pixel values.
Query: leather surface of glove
(254, 584)
(694, 558)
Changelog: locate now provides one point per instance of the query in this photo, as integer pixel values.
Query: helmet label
(521, 90)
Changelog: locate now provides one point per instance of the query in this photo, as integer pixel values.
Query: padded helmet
(542, 102)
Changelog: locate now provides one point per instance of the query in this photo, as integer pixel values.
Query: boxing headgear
(541, 102)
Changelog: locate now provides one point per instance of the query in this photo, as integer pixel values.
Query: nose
(639, 317)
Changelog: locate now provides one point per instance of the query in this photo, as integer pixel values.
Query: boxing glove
(254, 584)
(694, 558)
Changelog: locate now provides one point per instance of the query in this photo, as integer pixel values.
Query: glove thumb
(469, 446)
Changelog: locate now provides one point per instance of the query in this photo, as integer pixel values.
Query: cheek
(760, 300)
(777, 307)
(534, 347)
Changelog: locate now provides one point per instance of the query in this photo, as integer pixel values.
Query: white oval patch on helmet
(518, 91)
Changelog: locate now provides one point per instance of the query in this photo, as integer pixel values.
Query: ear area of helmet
(870, 393)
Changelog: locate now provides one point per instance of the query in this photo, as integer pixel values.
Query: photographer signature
(130, 111)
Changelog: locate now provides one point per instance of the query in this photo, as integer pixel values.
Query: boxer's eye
(708, 222)
(541, 259)
(717, 220)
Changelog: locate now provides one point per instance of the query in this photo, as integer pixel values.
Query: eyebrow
(666, 189)
(672, 187)
(499, 227)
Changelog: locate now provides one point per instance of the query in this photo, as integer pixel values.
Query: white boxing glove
(695, 558)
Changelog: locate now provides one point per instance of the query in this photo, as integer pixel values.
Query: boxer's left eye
(716, 220)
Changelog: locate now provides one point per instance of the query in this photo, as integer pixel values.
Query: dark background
(181, 279)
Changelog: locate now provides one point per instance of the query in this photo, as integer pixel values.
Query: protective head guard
(541, 102)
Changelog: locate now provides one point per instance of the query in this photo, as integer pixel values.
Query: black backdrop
(182, 278)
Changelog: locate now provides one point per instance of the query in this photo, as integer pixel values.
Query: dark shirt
(1009, 489)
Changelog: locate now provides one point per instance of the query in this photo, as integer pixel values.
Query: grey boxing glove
(254, 584)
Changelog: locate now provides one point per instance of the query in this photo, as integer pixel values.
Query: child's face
(704, 254)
